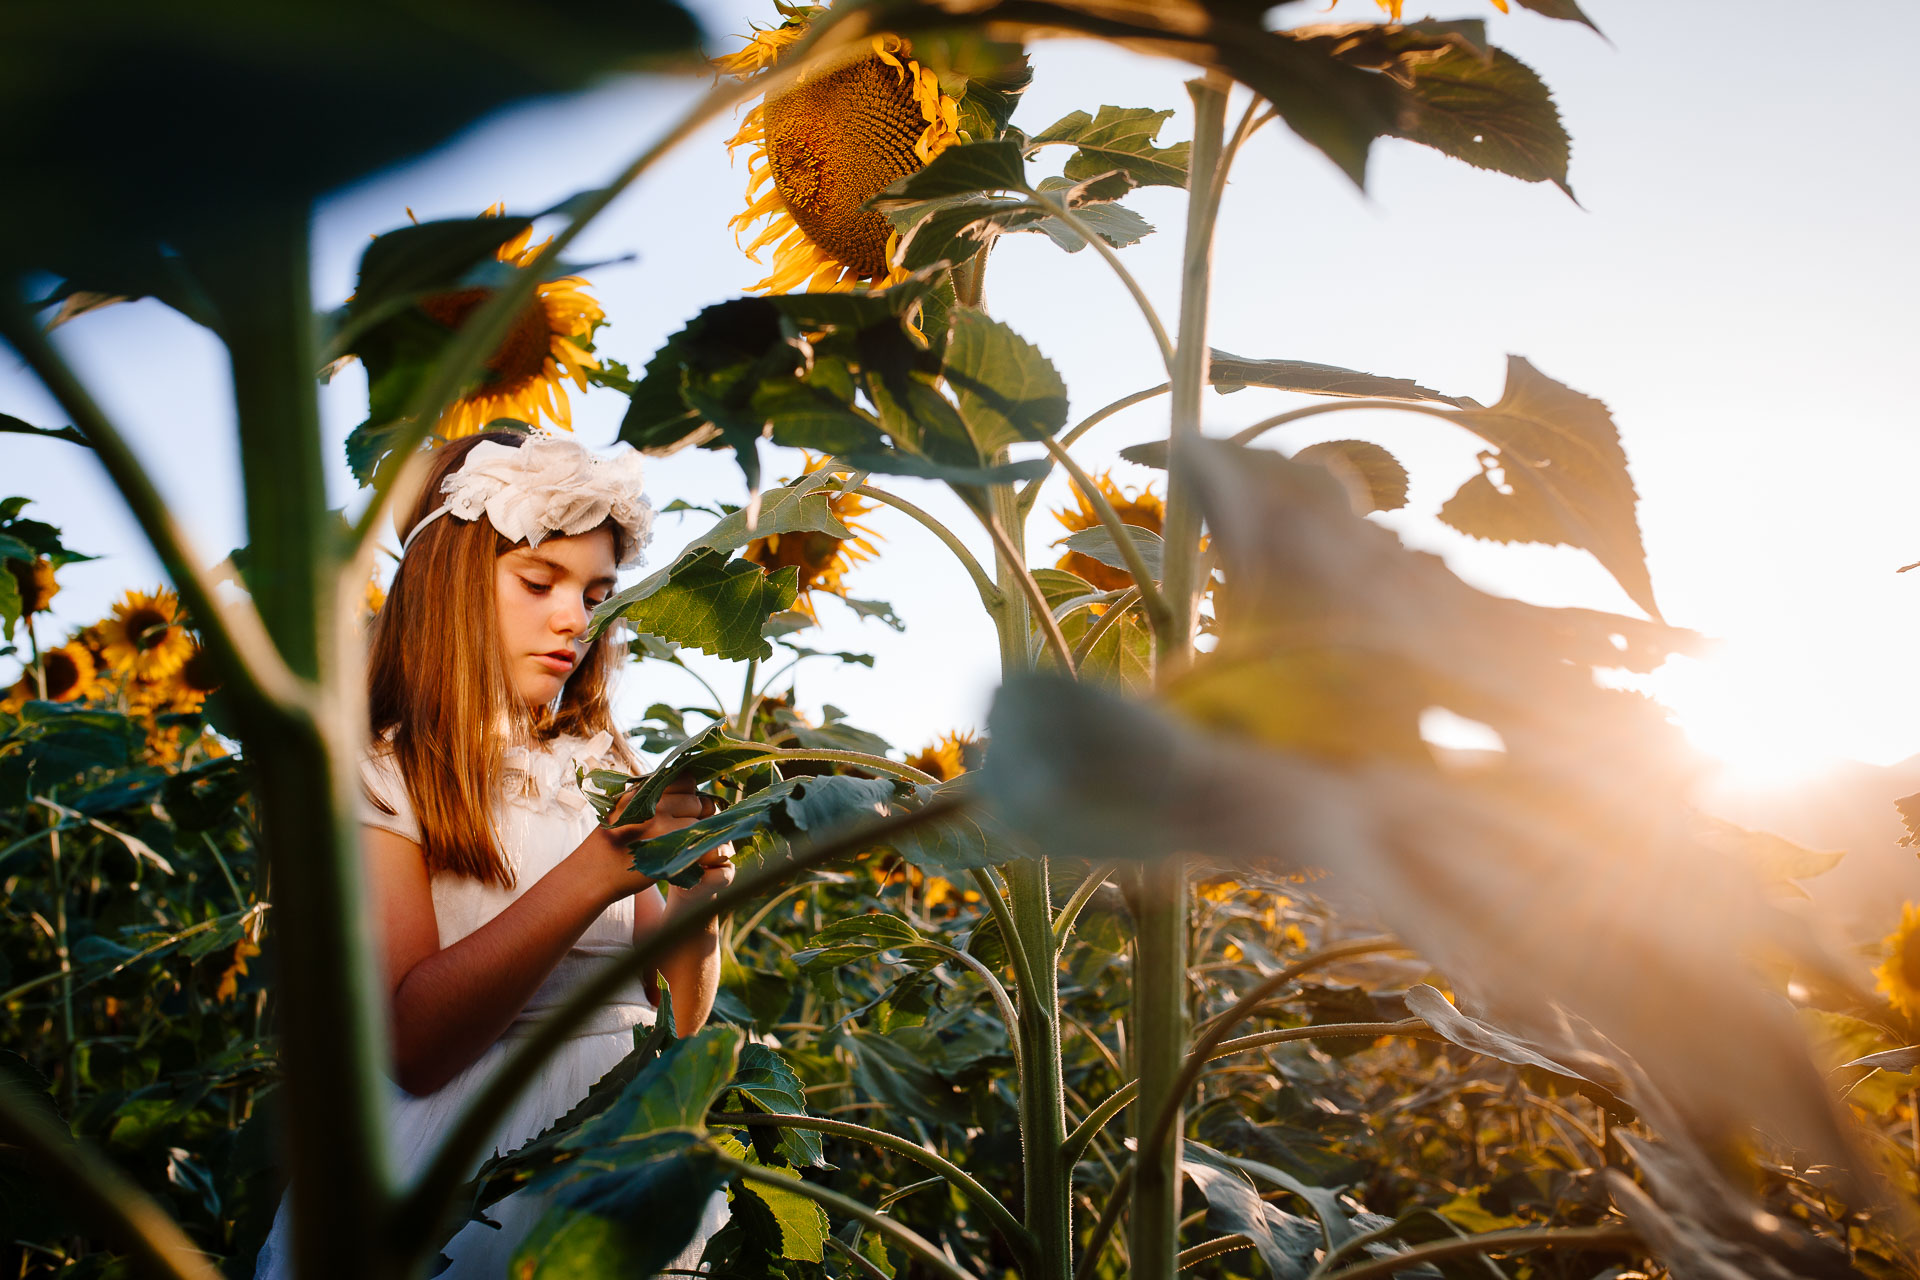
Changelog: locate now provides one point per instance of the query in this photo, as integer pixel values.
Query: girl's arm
(692, 969)
(447, 1005)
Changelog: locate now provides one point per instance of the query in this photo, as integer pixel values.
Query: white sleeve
(383, 797)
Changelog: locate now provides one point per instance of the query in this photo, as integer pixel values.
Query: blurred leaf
(879, 610)
(1778, 862)
(149, 87)
(633, 1219)
(1563, 478)
(1565, 10)
(1119, 138)
(1374, 478)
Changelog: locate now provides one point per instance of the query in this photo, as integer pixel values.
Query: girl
(497, 891)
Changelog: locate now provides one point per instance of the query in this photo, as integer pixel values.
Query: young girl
(497, 891)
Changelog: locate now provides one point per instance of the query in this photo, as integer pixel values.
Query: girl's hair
(437, 685)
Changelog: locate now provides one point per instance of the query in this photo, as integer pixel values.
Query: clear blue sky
(1737, 283)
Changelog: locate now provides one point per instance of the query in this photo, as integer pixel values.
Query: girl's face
(545, 595)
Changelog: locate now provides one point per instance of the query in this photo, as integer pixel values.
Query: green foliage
(1119, 138)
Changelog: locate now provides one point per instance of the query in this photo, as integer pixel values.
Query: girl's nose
(572, 618)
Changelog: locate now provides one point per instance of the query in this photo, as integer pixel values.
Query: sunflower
(945, 757)
(70, 673)
(373, 601)
(825, 145)
(145, 638)
(1144, 510)
(1900, 975)
(36, 583)
(823, 560)
(1393, 7)
(551, 341)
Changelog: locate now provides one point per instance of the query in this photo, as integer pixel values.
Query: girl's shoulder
(384, 802)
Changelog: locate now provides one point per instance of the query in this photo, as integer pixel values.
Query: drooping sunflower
(36, 583)
(945, 757)
(1899, 976)
(550, 342)
(1143, 510)
(822, 147)
(71, 676)
(823, 560)
(145, 638)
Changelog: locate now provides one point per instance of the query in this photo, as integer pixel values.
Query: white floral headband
(547, 487)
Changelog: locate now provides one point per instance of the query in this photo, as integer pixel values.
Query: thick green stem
(333, 1032)
(983, 1199)
(1160, 889)
(1046, 1175)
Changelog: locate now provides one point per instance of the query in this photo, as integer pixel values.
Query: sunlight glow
(1765, 723)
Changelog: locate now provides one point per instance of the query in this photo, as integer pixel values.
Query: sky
(1735, 282)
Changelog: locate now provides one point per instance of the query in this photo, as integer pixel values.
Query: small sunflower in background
(550, 342)
(1899, 976)
(145, 638)
(373, 600)
(946, 757)
(35, 579)
(1143, 510)
(71, 676)
(823, 560)
(825, 145)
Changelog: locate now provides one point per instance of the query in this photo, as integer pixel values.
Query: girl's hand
(716, 873)
(681, 805)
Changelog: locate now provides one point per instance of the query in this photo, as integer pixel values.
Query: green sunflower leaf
(1099, 543)
(766, 1083)
(1565, 10)
(1119, 138)
(14, 426)
(1491, 110)
(1008, 391)
(710, 603)
(1229, 373)
(970, 169)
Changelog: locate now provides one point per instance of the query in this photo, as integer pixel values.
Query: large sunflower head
(1899, 976)
(1143, 509)
(823, 560)
(820, 148)
(551, 342)
(946, 757)
(70, 673)
(145, 638)
(36, 583)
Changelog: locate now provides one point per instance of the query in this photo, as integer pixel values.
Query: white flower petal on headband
(551, 486)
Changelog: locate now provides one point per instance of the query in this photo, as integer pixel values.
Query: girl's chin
(538, 691)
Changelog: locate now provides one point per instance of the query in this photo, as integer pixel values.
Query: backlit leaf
(1563, 478)
(1374, 478)
(713, 604)
(1008, 391)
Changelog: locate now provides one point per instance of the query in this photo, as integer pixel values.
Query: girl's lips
(556, 662)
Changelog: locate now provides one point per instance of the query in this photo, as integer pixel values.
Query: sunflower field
(1197, 957)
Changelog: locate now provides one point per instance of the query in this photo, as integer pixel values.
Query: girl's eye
(594, 602)
(537, 588)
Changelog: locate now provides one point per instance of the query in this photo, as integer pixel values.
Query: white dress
(541, 818)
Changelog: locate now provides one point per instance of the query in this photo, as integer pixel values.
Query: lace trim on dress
(544, 780)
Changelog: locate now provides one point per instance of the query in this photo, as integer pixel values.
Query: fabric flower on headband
(549, 487)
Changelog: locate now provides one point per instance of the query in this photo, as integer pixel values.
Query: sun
(1762, 723)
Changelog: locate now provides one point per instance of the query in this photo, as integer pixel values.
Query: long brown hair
(437, 683)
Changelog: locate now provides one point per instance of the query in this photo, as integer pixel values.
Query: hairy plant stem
(908, 1239)
(333, 1030)
(1047, 1181)
(1160, 888)
(988, 1204)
